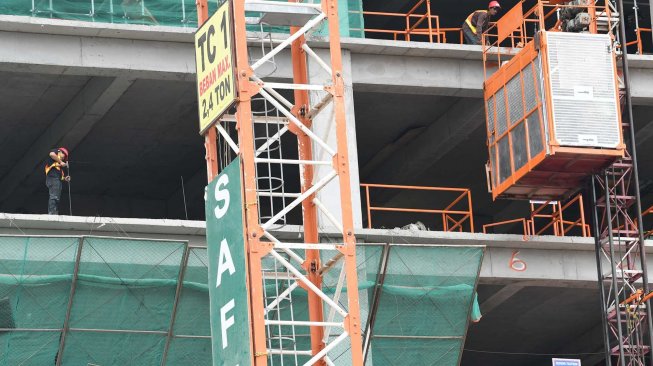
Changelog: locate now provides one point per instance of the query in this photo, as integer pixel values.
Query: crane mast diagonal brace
(343, 322)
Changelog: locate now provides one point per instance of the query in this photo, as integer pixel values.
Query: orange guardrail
(554, 220)
(517, 27)
(416, 24)
(548, 218)
(453, 219)
(524, 226)
(638, 40)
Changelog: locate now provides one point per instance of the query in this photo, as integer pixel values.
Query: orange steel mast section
(259, 241)
(302, 102)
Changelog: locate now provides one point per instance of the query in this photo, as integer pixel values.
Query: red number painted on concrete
(517, 264)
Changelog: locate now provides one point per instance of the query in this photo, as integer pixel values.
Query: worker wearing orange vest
(55, 176)
(477, 23)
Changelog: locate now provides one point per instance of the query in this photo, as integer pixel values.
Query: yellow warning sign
(216, 84)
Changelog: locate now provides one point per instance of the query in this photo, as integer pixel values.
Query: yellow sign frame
(215, 69)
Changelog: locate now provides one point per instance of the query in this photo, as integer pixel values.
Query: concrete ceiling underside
(132, 141)
(533, 324)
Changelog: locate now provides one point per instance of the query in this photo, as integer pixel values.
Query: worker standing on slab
(477, 23)
(55, 176)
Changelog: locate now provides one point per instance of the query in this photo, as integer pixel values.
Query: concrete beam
(500, 297)
(100, 49)
(116, 57)
(418, 75)
(440, 137)
(78, 55)
(71, 126)
(389, 150)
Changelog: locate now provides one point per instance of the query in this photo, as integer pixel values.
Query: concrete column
(324, 127)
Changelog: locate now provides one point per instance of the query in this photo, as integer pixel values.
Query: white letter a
(224, 262)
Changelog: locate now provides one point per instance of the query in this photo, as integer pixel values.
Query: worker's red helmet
(64, 151)
(494, 4)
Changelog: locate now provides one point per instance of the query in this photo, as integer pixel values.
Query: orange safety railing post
(561, 225)
(369, 210)
(582, 216)
(407, 30)
(428, 15)
(471, 214)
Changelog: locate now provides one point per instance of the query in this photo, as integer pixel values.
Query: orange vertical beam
(369, 211)
(312, 257)
(341, 163)
(428, 15)
(210, 137)
(254, 248)
(592, 13)
(471, 211)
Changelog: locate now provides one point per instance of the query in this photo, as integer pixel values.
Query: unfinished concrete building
(455, 262)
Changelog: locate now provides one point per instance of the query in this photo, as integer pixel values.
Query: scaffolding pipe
(599, 269)
(615, 287)
(635, 172)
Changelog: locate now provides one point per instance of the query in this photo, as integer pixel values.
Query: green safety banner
(230, 332)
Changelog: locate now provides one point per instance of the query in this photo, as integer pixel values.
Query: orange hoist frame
(537, 110)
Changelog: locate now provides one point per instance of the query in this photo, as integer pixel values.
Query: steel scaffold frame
(343, 320)
(619, 237)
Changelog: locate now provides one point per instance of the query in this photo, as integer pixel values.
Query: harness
(56, 166)
(469, 19)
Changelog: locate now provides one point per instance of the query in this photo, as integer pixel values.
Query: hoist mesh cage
(550, 123)
(123, 302)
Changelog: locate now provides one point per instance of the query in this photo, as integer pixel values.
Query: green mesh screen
(177, 13)
(120, 302)
(424, 304)
(422, 298)
(124, 306)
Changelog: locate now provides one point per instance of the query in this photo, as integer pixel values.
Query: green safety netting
(118, 301)
(123, 305)
(423, 298)
(177, 13)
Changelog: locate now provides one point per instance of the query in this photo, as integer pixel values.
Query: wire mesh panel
(585, 106)
(191, 343)
(125, 286)
(516, 131)
(125, 291)
(368, 262)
